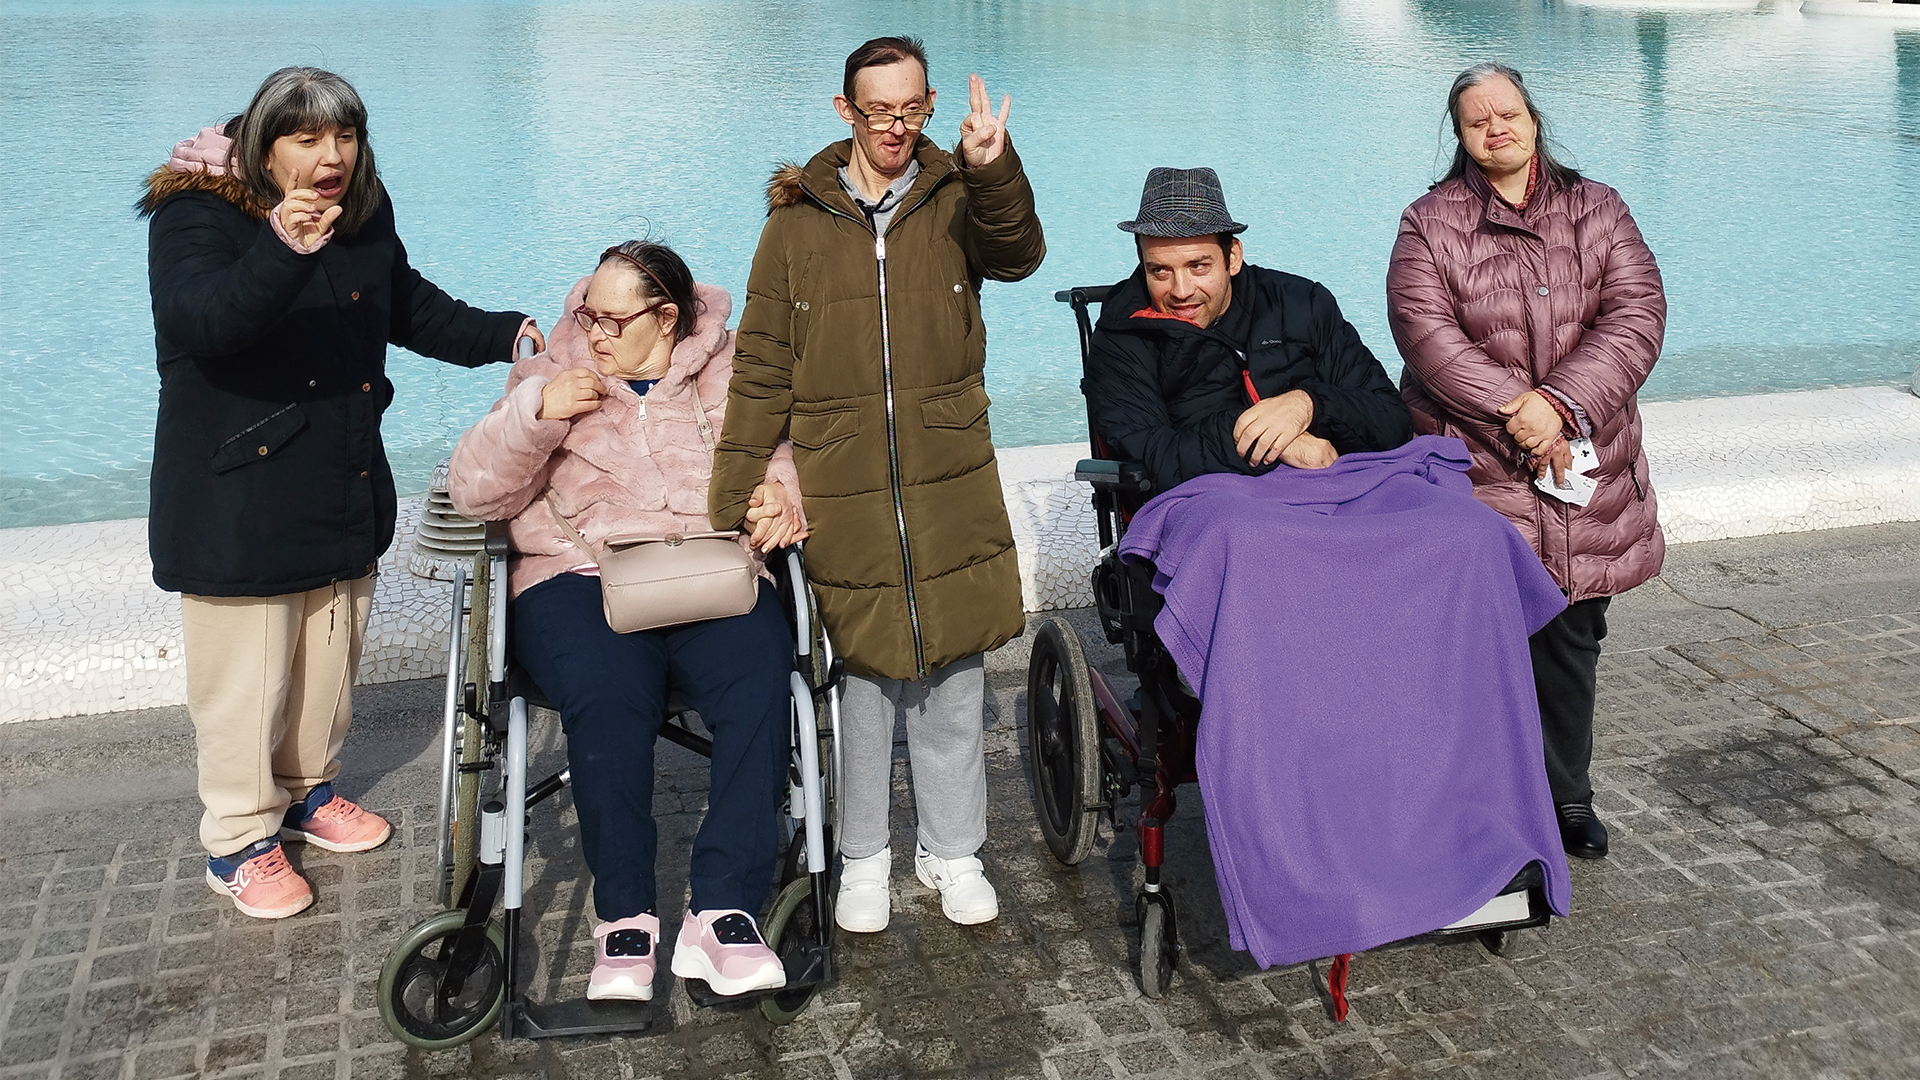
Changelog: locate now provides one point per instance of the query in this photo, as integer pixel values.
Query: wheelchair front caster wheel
(790, 929)
(1495, 941)
(429, 1006)
(1159, 943)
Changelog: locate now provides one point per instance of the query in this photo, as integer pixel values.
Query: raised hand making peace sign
(982, 134)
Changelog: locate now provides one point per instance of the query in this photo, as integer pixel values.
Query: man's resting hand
(1309, 451)
(1266, 429)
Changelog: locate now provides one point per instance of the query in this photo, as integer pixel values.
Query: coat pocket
(960, 409)
(260, 440)
(819, 430)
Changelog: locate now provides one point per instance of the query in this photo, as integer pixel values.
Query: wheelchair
(1090, 748)
(462, 971)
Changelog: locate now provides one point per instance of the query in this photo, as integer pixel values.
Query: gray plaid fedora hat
(1182, 202)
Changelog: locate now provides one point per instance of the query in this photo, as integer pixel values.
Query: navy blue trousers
(611, 690)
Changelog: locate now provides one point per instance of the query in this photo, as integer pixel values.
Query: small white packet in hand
(1580, 486)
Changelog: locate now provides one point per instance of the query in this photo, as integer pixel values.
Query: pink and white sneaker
(623, 960)
(260, 881)
(724, 947)
(328, 821)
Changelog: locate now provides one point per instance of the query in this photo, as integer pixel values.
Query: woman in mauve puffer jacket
(1529, 313)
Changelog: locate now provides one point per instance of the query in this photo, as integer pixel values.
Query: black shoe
(1581, 833)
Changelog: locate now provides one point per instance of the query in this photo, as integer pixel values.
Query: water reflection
(1906, 89)
(1650, 30)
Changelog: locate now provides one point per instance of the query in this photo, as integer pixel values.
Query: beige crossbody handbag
(647, 582)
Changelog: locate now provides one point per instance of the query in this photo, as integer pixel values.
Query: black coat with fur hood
(269, 476)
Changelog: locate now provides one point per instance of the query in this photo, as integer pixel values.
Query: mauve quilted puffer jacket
(1487, 303)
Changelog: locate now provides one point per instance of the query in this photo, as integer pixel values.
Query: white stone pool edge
(84, 630)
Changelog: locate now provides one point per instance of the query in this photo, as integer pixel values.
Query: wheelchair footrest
(560, 1019)
(812, 967)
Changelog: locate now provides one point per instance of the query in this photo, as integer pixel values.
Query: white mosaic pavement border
(84, 630)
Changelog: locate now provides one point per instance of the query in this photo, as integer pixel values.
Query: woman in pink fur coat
(606, 428)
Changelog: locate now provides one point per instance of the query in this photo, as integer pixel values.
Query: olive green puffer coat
(868, 352)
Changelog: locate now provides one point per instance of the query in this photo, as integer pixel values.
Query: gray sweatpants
(945, 714)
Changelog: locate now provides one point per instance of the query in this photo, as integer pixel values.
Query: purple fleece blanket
(1369, 746)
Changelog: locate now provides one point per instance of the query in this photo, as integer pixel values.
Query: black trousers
(1566, 665)
(611, 690)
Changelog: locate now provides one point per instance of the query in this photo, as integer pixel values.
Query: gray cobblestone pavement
(1759, 915)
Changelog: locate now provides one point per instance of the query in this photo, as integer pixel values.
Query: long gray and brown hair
(300, 99)
(1550, 167)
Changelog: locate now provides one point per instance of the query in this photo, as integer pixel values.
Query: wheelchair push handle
(1082, 295)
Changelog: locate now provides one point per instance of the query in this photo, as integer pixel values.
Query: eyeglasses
(612, 325)
(884, 121)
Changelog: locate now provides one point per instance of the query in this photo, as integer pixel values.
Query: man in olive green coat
(861, 341)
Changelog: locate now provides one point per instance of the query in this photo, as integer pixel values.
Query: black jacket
(269, 476)
(1166, 393)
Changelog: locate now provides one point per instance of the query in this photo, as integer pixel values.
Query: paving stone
(100, 1068)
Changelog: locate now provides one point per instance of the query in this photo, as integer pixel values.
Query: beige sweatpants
(270, 686)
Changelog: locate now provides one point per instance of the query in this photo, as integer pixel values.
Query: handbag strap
(700, 414)
(572, 533)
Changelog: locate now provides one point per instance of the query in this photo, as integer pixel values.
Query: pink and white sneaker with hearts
(625, 954)
(724, 947)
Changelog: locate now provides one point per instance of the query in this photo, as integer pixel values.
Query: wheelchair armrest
(1130, 476)
(497, 546)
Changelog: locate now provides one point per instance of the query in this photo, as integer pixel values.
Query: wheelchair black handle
(1113, 475)
(497, 544)
(1084, 294)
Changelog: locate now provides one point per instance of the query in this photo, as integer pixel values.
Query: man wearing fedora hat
(1202, 362)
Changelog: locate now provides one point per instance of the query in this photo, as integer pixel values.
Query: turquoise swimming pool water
(1772, 159)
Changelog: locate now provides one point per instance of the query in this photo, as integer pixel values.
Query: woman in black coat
(278, 282)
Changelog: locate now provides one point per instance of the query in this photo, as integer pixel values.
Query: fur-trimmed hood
(793, 183)
(202, 163)
(709, 341)
(786, 186)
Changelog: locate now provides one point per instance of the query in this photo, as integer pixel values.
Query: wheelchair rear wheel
(412, 995)
(1063, 741)
(790, 927)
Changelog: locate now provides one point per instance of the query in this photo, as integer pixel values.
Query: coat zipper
(893, 442)
(893, 460)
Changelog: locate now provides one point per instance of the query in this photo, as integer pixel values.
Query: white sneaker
(866, 899)
(966, 896)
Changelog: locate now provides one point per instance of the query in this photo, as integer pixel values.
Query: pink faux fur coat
(620, 469)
